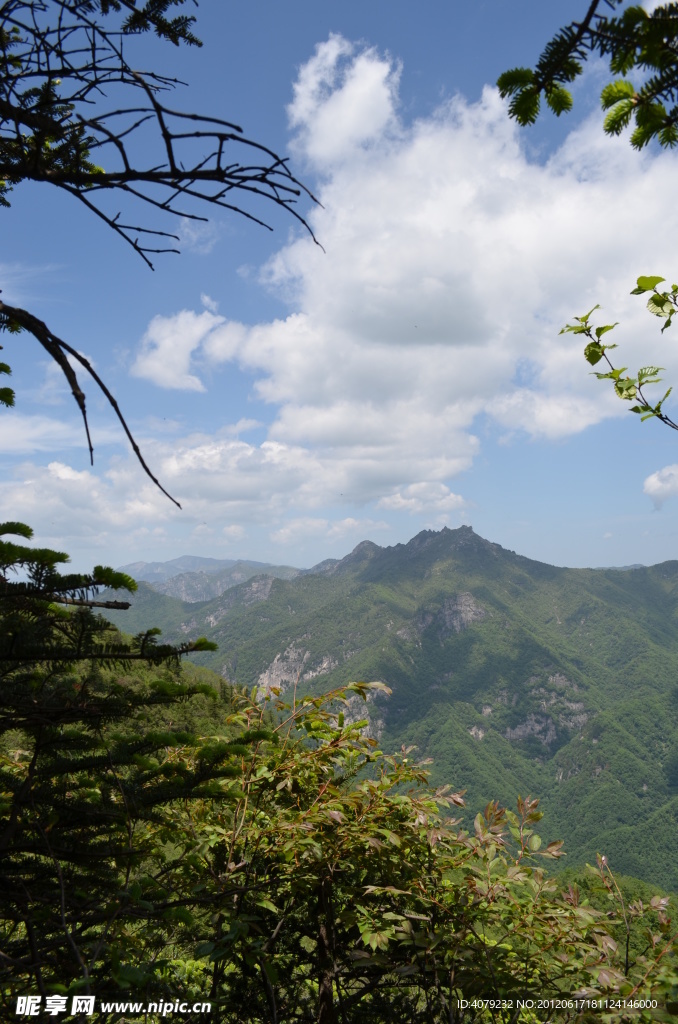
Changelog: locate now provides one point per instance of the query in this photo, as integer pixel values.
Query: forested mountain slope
(514, 676)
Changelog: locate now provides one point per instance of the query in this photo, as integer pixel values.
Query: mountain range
(191, 578)
(514, 676)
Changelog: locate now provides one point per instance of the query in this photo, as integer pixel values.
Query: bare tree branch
(59, 64)
(11, 318)
(53, 79)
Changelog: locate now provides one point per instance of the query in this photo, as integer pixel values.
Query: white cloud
(222, 484)
(76, 507)
(167, 346)
(662, 485)
(452, 261)
(197, 236)
(233, 533)
(22, 434)
(423, 497)
(304, 528)
(547, 415)
(25, 284)
(341, 104)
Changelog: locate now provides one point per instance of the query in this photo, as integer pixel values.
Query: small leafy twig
(663, 304)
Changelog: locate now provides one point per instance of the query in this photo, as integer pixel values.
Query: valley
(514, 676)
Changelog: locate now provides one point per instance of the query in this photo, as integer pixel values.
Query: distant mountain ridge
(152, 572)
(515, 676)
(193, 579)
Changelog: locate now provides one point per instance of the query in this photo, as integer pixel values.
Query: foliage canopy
(633, 41)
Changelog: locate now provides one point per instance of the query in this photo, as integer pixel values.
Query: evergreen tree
(81, 777)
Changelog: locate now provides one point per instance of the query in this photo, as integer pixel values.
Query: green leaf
(593, 352)
(525, 107)
(204, 949)
(660, 305)
(203, 644)
(626, 389)
(267, 905)
(647, 284)
(649, 371)
(180, 914)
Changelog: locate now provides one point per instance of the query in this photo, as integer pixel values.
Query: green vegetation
(514, 676)
(166, 838)
(662, 303)
(639, 42)
(635, 41)
(171, 833)
(82, 763)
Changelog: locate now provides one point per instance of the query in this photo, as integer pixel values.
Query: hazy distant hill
(190, 578)
(157, 572)
(515, 676)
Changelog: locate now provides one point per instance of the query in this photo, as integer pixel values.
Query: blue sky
(411, 376)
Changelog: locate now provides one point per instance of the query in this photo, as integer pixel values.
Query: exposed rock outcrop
(539, 726)
(456, 613)
(283, 670)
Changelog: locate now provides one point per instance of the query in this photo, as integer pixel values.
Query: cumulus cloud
(452, 261)
(166, 348)
(222, 483)
(423, 498)
(233, 533)
(343, 101)
(662, 485)
(22, 434)
(304, 528)
(77, 508)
